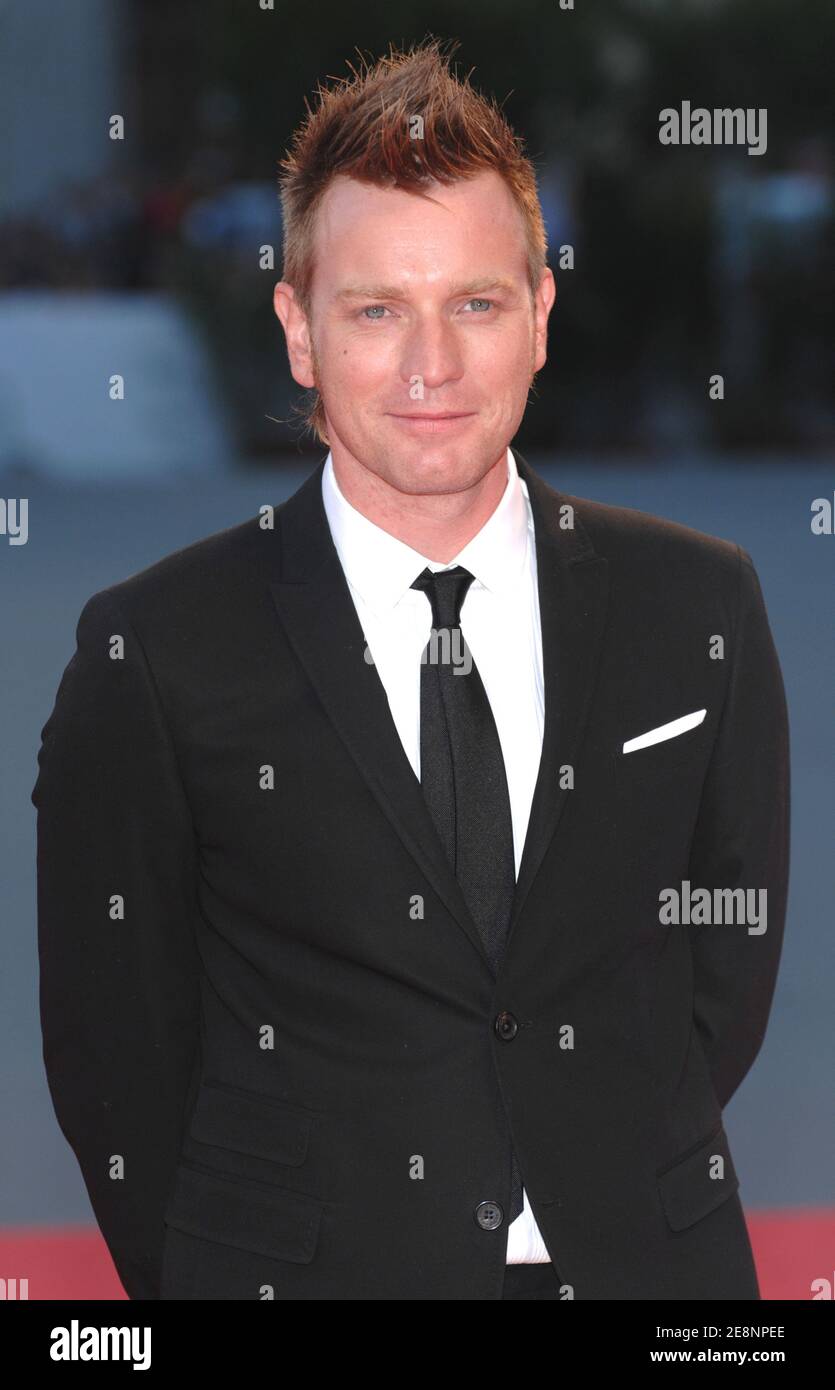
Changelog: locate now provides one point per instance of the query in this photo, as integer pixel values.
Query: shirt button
(505, 1026)
(489, 1215)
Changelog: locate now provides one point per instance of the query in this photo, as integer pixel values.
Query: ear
(543, 303)
(296, 332)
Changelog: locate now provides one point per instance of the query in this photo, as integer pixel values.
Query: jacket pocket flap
(250, 1124)
(688, 1191)
(280, 1224)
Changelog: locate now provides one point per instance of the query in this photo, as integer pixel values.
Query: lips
(428, 425)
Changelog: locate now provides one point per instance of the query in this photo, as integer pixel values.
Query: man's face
(421, 309)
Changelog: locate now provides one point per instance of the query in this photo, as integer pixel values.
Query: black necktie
(463, 776)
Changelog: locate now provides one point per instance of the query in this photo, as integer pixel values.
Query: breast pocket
(657, 795)
(665, 756)
(696, 1182)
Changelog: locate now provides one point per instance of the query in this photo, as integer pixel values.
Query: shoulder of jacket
(641, 540)
(216, 564)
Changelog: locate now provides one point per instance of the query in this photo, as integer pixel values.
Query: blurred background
(686, 260)
(140, 238)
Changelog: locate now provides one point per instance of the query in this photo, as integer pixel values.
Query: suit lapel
(317, 611)
(573, 596)
(321, 622)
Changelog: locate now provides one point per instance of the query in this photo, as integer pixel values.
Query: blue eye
(373, 313)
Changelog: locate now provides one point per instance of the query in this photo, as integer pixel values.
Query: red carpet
(792, 1247)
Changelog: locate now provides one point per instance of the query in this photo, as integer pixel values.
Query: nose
(432, 352)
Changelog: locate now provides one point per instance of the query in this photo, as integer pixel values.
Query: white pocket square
(676, 726)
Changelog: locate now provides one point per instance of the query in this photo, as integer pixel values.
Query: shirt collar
(382, 568)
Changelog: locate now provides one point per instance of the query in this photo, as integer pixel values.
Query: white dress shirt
(501, 625)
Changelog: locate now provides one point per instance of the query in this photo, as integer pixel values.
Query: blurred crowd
(686, 264)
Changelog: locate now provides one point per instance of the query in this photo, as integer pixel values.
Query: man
(359, 832)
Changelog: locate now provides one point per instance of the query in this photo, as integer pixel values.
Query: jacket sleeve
(119, 979)
(742, 841)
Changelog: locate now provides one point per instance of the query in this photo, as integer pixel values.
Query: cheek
(502, 358)
(504, 380)
(359, 367)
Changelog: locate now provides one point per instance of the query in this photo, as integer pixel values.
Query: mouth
(424, 423)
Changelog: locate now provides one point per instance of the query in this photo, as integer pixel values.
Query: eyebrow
(397, 292)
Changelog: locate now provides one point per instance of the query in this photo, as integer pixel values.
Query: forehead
(392, 233)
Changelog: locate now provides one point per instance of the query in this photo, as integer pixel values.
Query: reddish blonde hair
(361, 128)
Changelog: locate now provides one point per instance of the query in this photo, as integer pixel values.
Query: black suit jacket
(271, 1033)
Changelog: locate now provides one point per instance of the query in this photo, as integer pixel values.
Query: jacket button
(489, 1215)
(505, 1026)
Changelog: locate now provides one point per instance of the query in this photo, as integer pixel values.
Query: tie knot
(445, 590)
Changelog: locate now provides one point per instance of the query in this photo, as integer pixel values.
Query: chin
(440, 473)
